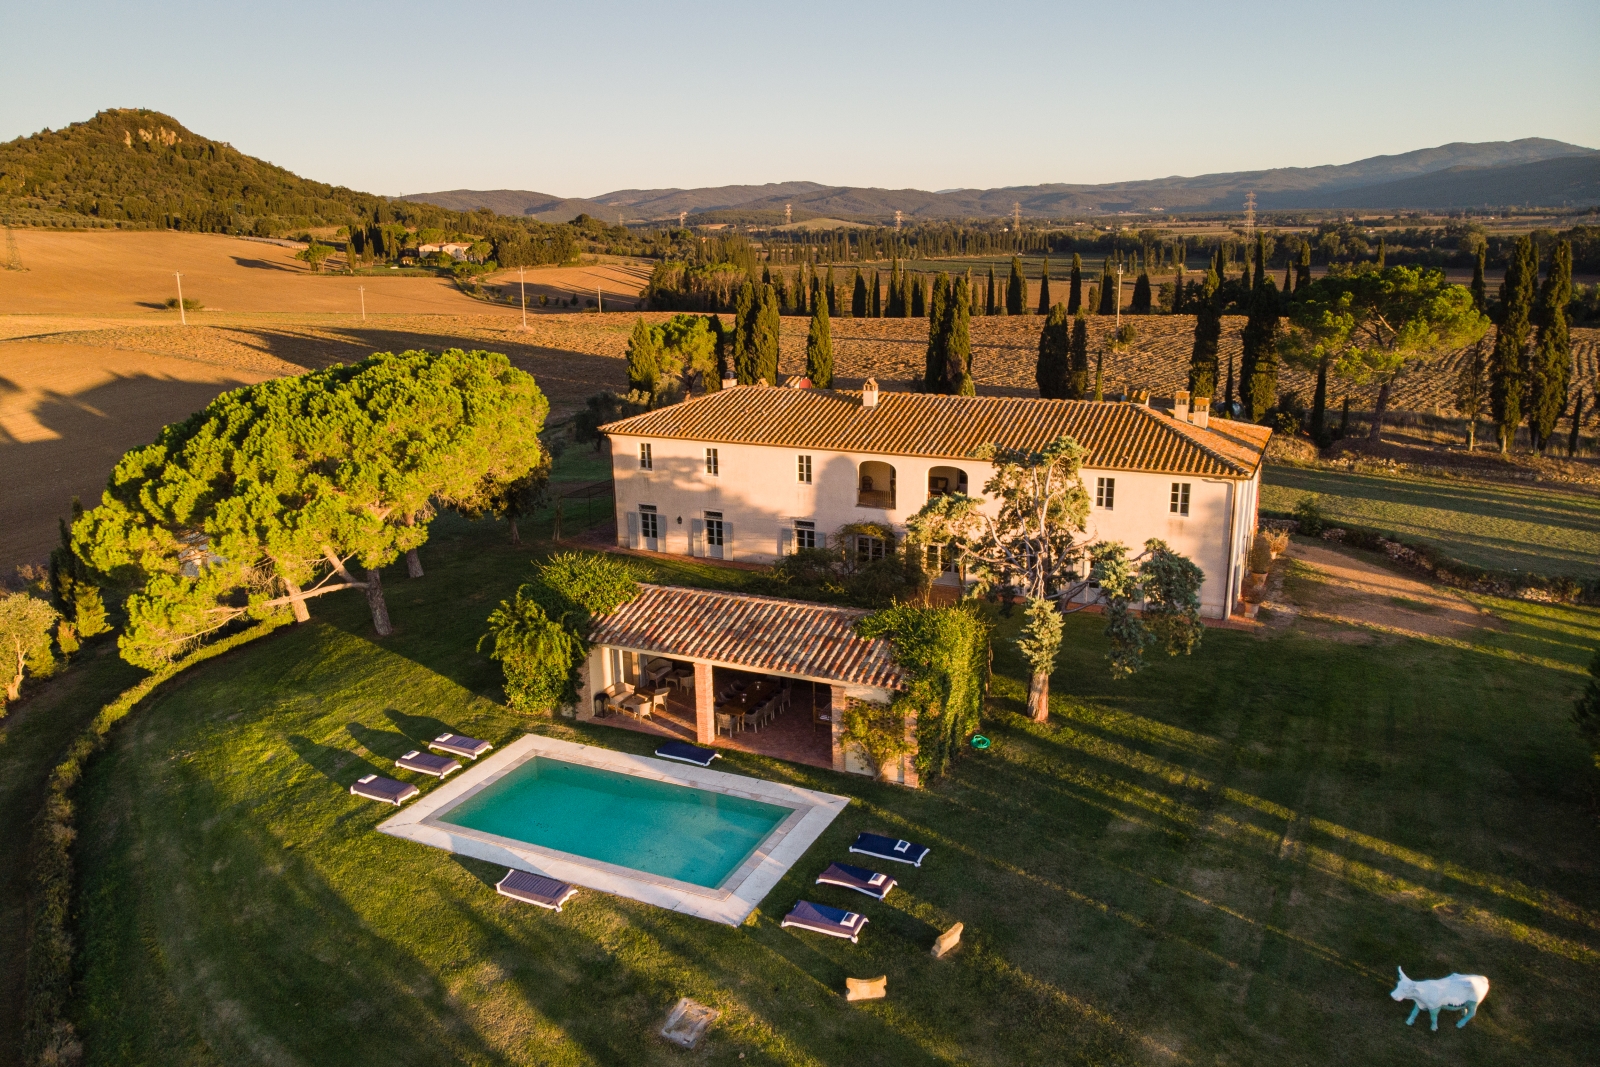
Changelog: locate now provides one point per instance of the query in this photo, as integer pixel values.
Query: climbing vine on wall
(945, 654)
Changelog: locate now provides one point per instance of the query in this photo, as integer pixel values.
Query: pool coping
(731, 902)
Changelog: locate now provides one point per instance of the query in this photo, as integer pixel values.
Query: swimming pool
(703, 842)
(677, 831)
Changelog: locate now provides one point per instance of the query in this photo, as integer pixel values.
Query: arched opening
(875, 485)
(942, 480)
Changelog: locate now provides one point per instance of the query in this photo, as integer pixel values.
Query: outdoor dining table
(636, 704)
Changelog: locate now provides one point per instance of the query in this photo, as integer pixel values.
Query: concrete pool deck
(730, 902)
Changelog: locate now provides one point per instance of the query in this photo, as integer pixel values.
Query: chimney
(1201, 413)
(869, 393)
(729, 383)
(1180, 406)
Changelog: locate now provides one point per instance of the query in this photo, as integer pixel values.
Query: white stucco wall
(759, 495)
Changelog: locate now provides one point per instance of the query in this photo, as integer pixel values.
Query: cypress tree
(1261, 261)
(744, 368)
(988, 300)
(958, 339)
(1577, 424)
(1078, 372)
(1075, 288)
(877, 296)
(1141, 295)
(1179, 302)
(833, 294)
(1093, 303)
(1055, 355)
(1302, 269)
(936, 356)
(644, 358)
(858, 297)
(1288, 279)
(1480, 291)
(1506, 367)
(797, 292)
(892, 297)
(1044, 288)
(1016, 289)
(1207, 338)
(919, 298)
(1258, 366)
(1109, 295)
(819, 347)
(764, 340)
(1550, 362)
(1382, 251)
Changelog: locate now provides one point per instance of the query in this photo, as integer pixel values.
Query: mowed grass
(1221, 861)
(1501, 527)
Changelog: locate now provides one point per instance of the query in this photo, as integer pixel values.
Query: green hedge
(945, 653)
(48, 1035)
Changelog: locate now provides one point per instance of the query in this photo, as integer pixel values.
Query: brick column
(705, 723)
(908, 766)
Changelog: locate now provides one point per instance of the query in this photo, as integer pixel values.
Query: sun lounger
(860, 879)
(385, 789)
(684, 752)
(534, 889)
(889, 848)
(457, 745)
(427, 763)
(821, 919)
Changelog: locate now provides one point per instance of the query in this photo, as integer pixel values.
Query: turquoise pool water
(693, 835)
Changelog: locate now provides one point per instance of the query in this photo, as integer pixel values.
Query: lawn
(1222, 861)
(1496, 526)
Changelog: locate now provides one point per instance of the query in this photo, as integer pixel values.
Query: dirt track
(1330, 585)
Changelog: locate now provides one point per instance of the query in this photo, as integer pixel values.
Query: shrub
(1309, 515)
(593, 582)
(1260, 555)
(539, 655)
(188, 305)
(25, 643)
(878, 730)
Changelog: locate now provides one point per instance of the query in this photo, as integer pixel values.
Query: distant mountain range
(1533, 171)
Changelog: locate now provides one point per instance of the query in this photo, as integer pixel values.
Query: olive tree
(25, 625)
(1034, 541)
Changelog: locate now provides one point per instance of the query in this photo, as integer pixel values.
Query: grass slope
(1492, 525)
(1221, 861)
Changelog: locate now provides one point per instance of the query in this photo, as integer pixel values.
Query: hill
(1497, 172)
(142, 168)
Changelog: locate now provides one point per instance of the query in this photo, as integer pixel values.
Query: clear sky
(578, 99)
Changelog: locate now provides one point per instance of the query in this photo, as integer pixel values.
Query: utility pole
(1250, 214)
(1016, 218)
(599, 300)
(363, 291)
(182, 317)
(523, 285)
(1119, 298)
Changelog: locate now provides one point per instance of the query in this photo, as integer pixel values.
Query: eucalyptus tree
(260, 501)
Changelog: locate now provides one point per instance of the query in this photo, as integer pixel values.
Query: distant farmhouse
(754, 473)
(456, 250)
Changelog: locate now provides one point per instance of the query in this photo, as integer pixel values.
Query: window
(649, 521)
(1105, 493)
(711, 462)
(714, 530)
(868, 548)
(804, 470)
(646, 461)
(1180, 498)
(805, 533)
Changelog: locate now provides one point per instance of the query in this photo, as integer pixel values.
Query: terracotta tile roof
(761, 633)
(1118, 436)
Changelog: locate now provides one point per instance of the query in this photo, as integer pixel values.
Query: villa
(755, 473)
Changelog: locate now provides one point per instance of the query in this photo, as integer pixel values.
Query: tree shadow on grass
(481, 870)
(338, 765)
(418, 729)
(385, 743)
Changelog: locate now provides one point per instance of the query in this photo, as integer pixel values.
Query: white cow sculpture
(1459, 992)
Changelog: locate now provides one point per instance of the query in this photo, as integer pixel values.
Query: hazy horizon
(400, 99)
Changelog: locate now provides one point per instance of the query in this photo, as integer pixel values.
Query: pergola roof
(759, 633)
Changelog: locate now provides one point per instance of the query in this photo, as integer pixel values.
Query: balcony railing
(875, 498)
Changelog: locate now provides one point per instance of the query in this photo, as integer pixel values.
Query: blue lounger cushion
(427, 763)
(533, 888)
(684, 752)
(457, 745)
(860, 879)
(821, 919)
(387, 790)
(890, 848)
